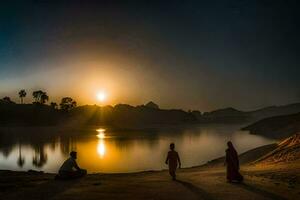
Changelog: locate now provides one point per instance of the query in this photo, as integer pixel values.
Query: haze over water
(101, 150)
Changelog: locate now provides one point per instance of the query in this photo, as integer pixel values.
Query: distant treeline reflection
(37, 142)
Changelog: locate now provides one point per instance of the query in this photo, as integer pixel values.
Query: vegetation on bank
(68, 113)
(40, 112)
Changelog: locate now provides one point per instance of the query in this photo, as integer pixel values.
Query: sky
(200, 55)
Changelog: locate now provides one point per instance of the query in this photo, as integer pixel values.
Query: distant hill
(275, 111)
(276, 127)
(123, 115)
(232, 115)
(152, 105)
(226, 115)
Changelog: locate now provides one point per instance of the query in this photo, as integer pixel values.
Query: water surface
(101, 150)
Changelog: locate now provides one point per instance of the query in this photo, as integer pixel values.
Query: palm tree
(22, 94)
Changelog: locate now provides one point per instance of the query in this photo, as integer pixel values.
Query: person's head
(230, 145)
(172, 146)
(73, 154)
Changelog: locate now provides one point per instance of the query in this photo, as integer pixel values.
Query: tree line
(40, 98)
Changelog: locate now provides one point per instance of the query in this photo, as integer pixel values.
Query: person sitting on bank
(172, 160)
(70, 169)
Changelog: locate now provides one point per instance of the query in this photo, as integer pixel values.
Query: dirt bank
(277, 182)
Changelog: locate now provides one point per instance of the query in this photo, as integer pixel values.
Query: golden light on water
(100, 130)
(101, 148)
(101, 134)
(101, 144)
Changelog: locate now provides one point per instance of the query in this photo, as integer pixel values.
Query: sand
(261, 182)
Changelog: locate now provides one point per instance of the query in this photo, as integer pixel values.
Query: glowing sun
(101, 96)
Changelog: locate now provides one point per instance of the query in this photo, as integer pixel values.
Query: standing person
(172, 160)
(232, 164)
(70, 169)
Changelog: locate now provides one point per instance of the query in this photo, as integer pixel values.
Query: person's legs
(82, 172)
(172, 173)
(172, 169)
(78, 173)
(229, 173)
(72, 174)
(174, 176)
(64, 175)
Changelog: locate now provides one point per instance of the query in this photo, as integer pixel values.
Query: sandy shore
(280, 182)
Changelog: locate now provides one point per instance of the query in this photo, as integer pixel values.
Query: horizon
(102, 103)
(198, 56)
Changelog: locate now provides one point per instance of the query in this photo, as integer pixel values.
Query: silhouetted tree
(67, 103)
(36, 95)
(22, 94)
(6, 100)
(40, 96)
(44, 98)
(53, 105)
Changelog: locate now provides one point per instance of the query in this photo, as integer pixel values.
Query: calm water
(102, 150)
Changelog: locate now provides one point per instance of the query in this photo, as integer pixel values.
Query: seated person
(67, 171)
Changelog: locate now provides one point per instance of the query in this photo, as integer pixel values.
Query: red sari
(233, 166)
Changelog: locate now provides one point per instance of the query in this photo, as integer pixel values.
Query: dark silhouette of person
(172, 160)
(70, 169)
(232, 164)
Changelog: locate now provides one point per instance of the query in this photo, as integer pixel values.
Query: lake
(102, 150)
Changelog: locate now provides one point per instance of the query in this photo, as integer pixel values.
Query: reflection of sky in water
(102, 151)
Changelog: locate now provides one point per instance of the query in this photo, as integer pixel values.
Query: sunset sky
(180, 54)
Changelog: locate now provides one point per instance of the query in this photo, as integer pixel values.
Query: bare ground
(261, 182)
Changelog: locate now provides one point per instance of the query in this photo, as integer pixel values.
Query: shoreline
(202, 182)
(216, 162)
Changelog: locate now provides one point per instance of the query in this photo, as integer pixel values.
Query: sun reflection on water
(101, 134)
(101, 143)
(101, 148)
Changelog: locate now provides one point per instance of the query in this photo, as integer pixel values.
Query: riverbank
(270, 182)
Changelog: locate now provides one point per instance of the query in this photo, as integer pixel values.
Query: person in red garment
(232, 164)
(172, 160)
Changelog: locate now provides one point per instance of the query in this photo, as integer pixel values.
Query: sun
(101, 96)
